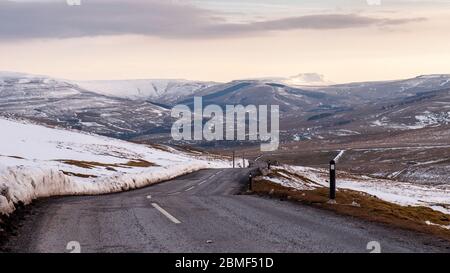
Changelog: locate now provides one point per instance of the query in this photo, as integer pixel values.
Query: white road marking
(191, 188)
(175, 193)
(165, 213)
(149, 197)
(212, 176)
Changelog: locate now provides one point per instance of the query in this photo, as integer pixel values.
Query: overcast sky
(222, 40)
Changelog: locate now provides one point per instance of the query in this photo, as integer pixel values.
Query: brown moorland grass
(16, 157)
(362, 205)
(91, 164)
(139, 163)
(13, 156)
(79, 175)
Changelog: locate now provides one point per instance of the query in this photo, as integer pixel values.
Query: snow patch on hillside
(153, 89)
(429, 119)
(423, 120)
(307, 79)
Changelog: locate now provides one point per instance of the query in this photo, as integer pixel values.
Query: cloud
(167, 19)
(318, 22)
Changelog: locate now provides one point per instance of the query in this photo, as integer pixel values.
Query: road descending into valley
(201, 212)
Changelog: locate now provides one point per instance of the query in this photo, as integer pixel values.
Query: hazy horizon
(273, 78)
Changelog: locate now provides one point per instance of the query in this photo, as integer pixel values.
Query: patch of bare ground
(361, 205)
(16, 157)
(154, 146)
(189, 150)
(183, 148)
(200, 153)
(110, 166)
(13, 156)
(79, 175)
(139, 163)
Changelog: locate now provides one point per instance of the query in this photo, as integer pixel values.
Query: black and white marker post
(332, 180)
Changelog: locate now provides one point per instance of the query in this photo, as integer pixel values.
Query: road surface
(202, 212)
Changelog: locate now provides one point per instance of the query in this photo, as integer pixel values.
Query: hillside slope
(58, 102)
(161, 91)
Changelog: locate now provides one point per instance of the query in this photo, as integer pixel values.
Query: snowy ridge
(37, 161)
(168, 90)
(307, 79)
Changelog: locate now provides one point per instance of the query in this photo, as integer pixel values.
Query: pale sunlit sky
(223, 40)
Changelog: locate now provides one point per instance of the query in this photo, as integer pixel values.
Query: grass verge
(362, 205)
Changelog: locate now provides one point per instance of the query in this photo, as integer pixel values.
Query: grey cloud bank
(167, 19)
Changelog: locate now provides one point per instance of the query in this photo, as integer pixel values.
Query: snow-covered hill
(389, 90)
(258, 92)
(60, 102)
(37, 161)
(307, 79)
(162, 91)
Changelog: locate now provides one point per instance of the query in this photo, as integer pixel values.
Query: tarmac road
(202, 212)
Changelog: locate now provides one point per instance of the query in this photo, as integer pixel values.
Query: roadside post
(233, 159)
(243, 160)
(332, 180)
(250, 180)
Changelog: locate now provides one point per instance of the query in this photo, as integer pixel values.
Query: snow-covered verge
(405, 194)
(37, 161)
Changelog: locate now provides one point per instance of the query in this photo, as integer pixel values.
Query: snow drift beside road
(37, 161)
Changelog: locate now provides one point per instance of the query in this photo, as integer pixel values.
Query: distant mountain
(257, 92)
(299, 80)
(345, 109)
(141, 108)
(382, 90)
(162, 91)
(377, 107)
(307, 79)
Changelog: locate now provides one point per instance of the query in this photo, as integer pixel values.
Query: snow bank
(37, 161)
(406, 194)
